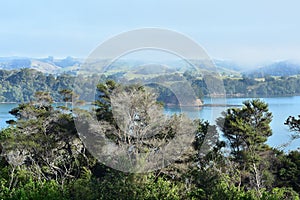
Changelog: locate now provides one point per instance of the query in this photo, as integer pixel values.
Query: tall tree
(133, 127)
(246, 130)
(44, 142)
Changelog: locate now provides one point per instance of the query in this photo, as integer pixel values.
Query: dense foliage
(250, 87)
(21, 85)
(43, 157)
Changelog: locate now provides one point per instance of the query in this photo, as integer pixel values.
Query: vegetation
(21, 85)
(43, 157)
(252, 87)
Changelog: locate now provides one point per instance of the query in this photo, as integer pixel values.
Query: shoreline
(253, 97)
(206, 96)
(204, 105)
(12, 102)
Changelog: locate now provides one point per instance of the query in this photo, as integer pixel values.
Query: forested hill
(20, 85)
(282, 68)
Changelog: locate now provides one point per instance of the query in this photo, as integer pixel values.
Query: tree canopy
(45, 156)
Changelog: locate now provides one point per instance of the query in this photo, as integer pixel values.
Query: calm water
(281, 107)
(4, 115)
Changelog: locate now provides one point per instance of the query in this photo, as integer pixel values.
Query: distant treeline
(251, 87)
(268, 86)
(21, 85)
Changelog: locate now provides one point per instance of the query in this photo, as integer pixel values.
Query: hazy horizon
(153, 61)
(248, 33)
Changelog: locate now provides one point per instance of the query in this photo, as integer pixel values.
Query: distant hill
(47, 65)
(70, 65)
(63, 63)
(227, 64)
(282, 68)
(153, 69)
(10, 63)
(144, 67)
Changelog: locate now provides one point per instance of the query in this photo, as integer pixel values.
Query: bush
(280, 194)
(35, 190)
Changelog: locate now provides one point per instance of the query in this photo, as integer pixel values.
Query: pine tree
(246, 130)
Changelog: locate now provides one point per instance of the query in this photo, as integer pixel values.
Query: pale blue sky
(244, 31)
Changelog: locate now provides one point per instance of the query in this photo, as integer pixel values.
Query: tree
(287, 170)
(294, 125)
(68, 95)
(43, 98)
(246, 130)
(44, 143)
(204, 172)
(134, 130)
(103, 103)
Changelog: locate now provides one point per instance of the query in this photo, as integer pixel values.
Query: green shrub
(40, 190)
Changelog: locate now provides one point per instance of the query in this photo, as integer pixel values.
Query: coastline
(206, 96)
(250, 96)
(12, 102)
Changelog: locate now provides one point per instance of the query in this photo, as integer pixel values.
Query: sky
(247, 32)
